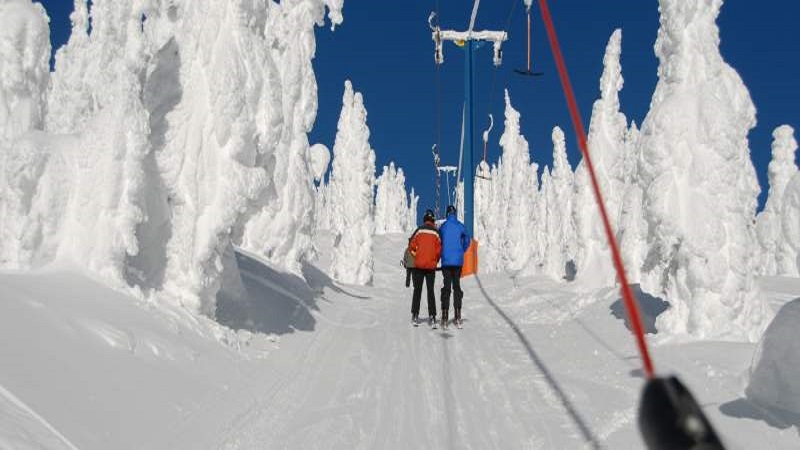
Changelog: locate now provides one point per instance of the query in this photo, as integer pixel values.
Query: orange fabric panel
(470, 260)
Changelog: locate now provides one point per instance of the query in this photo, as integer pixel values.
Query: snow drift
(774, 380)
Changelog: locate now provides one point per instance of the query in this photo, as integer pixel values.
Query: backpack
(408, 259)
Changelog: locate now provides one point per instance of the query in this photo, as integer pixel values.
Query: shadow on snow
(274, 302)
(573, 413)
(743, 408)
(649, 306)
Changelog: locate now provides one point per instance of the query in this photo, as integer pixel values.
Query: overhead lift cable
(669, 416)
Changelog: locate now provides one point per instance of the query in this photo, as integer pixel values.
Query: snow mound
(775, 374)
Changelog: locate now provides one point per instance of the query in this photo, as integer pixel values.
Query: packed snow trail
(538, 365)
(368, 379)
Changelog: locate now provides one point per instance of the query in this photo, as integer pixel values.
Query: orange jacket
(425, 246)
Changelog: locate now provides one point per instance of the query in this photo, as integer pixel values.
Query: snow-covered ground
(537, 365)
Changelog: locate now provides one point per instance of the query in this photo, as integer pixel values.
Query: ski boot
(432, 322)
(415, 321)
(458, 318)
(444, 319)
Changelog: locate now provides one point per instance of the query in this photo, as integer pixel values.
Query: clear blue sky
(385, 48)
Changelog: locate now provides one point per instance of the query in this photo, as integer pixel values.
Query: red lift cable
(627, 295)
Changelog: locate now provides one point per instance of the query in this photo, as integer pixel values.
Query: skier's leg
(430, 278)
(416, 275)
(446, 290)
(447, 274)
(458, 294)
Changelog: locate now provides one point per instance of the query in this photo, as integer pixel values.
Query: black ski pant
(452, 279)
(417, 276)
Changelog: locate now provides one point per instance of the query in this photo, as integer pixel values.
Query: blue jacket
(455, 241)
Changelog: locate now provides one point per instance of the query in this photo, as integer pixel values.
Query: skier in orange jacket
(426, 248)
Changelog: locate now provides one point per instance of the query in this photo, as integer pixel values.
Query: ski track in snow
(361, 385)
(9, 402)
(538, 365)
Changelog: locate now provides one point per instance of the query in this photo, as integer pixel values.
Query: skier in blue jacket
(455, 242)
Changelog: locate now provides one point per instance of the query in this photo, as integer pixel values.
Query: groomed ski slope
(537, 366)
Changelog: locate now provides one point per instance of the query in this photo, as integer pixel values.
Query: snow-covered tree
(322, 217)
(174, 125)
(282, 229)
(391, 202)
(557, 190)
(698, 182)
(320, 161)
(489, 225)
(350, 193)
(777, 256)
(505, 199)
(518, 190)
(607, 138)
(790, 222)
(632, 225)
(24, 64)
(411, 216)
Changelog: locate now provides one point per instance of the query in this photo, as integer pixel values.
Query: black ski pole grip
(671, 419)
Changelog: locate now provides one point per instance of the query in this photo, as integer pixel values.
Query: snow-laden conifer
(391, 201)
(560, 228)
(699, 185)
(632, 225)
(790, 224)
(607, 137)
(177, 124)
(411, 215)
(517, 189)
(350, 193)
(24, 64)
(777, 256)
